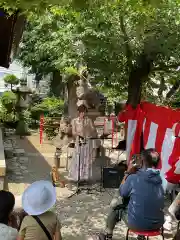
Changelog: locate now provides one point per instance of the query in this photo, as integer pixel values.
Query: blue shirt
(145, 208)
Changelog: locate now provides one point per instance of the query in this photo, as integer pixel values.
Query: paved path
(80, 215)
(25, 163)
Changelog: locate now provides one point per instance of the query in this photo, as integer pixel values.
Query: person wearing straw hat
(40, 223)
(83, 129)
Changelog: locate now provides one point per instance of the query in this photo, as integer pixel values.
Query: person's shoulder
(49, 214)
(49, 217)
(28, 220)
(7, 232)
(132, 176)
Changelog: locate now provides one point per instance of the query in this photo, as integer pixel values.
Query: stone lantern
(22, 93)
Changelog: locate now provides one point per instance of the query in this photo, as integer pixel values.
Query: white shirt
(7, 233)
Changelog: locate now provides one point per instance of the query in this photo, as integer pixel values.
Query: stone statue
(84, 93)
(93, 98)
(82, 89)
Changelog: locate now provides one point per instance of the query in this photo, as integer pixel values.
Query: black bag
(43, 227)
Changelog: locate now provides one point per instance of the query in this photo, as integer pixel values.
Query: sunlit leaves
(64, 38)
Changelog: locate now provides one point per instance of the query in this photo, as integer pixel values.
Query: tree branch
(166, 68)
(161, 87)
(154, 85)
(174, 88)
(126, 42)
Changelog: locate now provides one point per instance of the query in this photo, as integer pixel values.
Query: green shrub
(8, 113)
(9, 100)
(49, 106)
(11, 80)
(52, 108)
(8, 117)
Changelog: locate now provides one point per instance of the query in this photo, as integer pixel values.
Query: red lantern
(176, 129)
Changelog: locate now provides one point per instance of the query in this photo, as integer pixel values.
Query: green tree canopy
(126, 45)
(11, 79)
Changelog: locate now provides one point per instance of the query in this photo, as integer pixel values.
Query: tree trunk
(56, 85)
(138, 74)
(72, 98)
(161, 88)
(134, 89)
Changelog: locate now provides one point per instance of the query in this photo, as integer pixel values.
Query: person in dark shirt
(141, 189)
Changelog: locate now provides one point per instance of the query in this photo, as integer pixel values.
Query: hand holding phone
(132, 168)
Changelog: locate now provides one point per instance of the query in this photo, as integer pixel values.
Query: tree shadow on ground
(27, 164)
(84, 215)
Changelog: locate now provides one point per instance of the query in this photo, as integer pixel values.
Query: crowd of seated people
(140, 204)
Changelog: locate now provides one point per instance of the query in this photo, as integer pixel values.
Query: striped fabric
(159, 126)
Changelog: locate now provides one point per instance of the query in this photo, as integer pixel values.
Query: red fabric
(164, 118)
(177, 130)
(136, 114)
(159, 141)
(147, 233)
(175, 156)
(133, 114)
(161, 115)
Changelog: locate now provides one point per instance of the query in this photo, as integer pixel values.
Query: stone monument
(22, 93)
(95, 102)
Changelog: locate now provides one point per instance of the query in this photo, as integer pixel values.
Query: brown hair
(82, 108)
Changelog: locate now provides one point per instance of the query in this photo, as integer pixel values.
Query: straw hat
(38, 198)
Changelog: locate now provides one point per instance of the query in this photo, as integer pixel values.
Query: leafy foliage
(175, 102)
(9, 100)
(52, 108)
(126, 45)
(39, 5)
(11, 80)
(49, 107)
(6, 116)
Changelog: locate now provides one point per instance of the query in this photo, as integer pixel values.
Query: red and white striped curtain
(156, 124)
